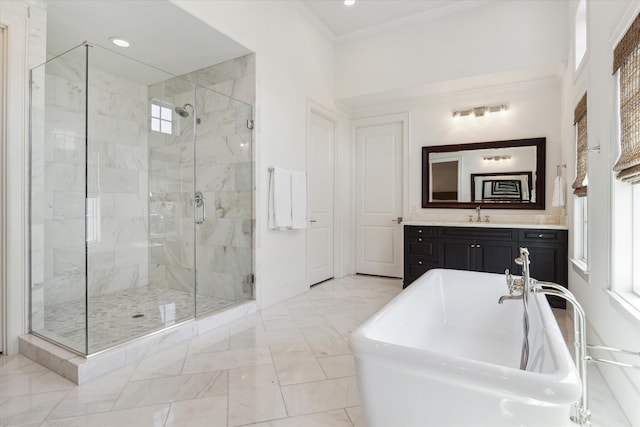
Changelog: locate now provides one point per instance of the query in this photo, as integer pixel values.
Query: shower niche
(141, 196)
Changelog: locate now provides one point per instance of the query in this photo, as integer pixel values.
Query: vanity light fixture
(120, 42)
(349, 2)
(480, 111)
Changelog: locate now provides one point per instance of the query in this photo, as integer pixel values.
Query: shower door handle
(200, 202)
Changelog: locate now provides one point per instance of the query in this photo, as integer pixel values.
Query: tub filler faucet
(521, 288)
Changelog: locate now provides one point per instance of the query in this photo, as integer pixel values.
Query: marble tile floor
(120, 316)
(287, 366)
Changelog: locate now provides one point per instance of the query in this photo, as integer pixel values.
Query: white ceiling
(343, 20)
(170, 39)
(162, 34)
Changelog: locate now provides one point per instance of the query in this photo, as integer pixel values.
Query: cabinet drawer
(478, 233)
(418, 245)
(418, 230)
(541, 235)
(417, 261)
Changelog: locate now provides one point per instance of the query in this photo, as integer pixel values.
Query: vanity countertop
(486, 225)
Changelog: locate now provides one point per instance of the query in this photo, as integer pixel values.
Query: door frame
(314, 107)
(359, 122)
(14, 143)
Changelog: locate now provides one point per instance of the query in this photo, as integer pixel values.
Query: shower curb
(80, 369)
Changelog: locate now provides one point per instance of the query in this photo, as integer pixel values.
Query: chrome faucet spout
(506, 297)
(478, 219)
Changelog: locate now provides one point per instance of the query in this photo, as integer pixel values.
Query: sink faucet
(478, 214)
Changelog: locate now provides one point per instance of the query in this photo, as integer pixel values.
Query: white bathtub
(445, 353)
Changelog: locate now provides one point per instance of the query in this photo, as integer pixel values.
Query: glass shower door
(139, 246)
(58, 185)
(223, 202)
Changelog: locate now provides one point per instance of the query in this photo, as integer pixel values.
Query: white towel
(558, 192)
(280, 199)
(298, 200)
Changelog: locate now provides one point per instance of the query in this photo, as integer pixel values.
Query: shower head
(182, 111)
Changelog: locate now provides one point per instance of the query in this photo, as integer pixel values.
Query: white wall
(609, 323)
(484, 38)
(294, 61)
(534, 111)
(25, 23)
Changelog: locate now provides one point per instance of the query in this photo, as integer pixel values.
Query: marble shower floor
(287, 366)
(120, 316)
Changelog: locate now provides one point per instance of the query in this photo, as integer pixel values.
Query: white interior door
(379, 199)
(320, 172)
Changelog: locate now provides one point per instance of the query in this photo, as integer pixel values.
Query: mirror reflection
(499, 174)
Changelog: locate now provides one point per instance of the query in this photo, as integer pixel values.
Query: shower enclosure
(141, 197)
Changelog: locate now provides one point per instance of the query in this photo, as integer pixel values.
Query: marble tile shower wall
(223, 173)
(116, 180)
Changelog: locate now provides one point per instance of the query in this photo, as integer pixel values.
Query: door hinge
(251, 278)
(250, 124)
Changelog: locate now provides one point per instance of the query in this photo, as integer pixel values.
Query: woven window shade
(626, 58)
(580, 122)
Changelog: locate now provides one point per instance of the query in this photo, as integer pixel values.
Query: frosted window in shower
(161, 119)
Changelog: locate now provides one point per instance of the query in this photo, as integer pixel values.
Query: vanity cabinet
(421, 245)
(548, 254)
(488, 249)
(491, 250)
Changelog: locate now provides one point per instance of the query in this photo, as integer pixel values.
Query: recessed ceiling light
(120, 42)
(349, 2)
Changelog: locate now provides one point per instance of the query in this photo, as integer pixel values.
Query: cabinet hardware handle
(419, 231)
(419, 239)
(540, 236)
(473, 246)
(419, 262)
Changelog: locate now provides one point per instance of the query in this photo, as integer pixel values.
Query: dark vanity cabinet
(548, 255)
(491, 250)
(420, 251)
(487, 249)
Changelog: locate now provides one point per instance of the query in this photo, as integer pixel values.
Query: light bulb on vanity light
(349, 2)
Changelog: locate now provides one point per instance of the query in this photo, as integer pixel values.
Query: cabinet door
(458, 254)
(547, 263)
(496, 256)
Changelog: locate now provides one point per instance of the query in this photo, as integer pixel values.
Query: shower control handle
(200, 202)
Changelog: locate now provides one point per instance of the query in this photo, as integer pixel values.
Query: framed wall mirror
(494, 175)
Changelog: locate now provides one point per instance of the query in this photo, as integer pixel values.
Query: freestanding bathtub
(445, 353)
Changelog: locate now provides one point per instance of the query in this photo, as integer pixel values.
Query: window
(580, 122)
(161, 119)
(626, 186)
(584, 222)
(635, 251)
(580, 186)
(580, 36)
